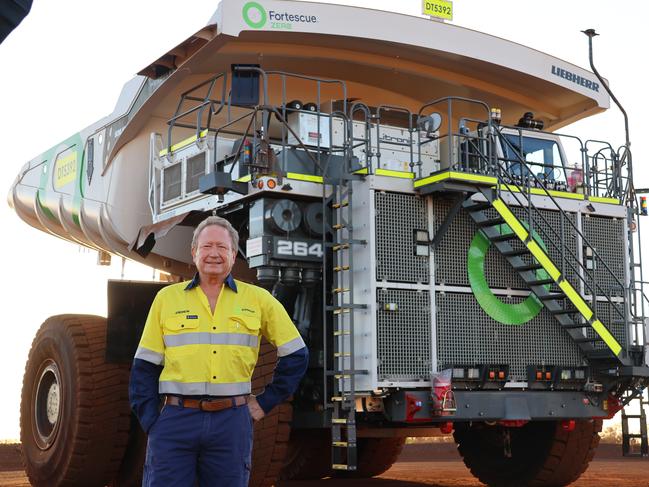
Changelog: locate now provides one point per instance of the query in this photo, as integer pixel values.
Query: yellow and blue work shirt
(205, 353)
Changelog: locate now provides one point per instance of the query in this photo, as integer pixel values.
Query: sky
(63, 69)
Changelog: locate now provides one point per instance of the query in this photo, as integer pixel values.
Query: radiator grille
(397, 217)
(606, 235)
(467, 335)
(404, 335)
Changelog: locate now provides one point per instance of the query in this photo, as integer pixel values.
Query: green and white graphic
(254, 14)
(506, 313)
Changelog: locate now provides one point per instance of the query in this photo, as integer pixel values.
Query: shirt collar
(229, 281)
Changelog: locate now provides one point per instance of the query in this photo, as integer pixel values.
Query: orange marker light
(539, 376)
(501, 375)
(260, 184)
(548, 375)
(271, 184)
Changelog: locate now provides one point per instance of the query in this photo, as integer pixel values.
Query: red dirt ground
(420, 465)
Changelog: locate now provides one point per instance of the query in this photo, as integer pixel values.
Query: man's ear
(193, 254)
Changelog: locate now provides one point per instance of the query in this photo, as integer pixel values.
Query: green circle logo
(505, 313)
(254, 15)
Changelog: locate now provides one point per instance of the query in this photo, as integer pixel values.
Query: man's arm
(145, 372)
(143, 392)
(287, 376)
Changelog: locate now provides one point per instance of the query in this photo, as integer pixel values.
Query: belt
(211, 405)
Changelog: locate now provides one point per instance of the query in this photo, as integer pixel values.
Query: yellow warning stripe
(184, 143)
(576, 299)
(605, 335)
(304, 177)
(245, 179)
(435, 178)
(601, 199)
(510, 219)
(544, 260)
(394, 174)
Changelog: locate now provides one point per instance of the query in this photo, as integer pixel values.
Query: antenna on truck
(591, 33)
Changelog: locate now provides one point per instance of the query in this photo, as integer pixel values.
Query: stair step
(540, 282)
(586, 340)
(504, 237)
(564, 311)
(574, 326)
(339, 420)
(478, 206)
(490, 222)
(599, 354)
(529, 267)
(516, 253)
(552, 296)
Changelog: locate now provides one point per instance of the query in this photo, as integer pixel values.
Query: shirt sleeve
(277, 326)
(151, 347)
(143, 392)
(287, 376)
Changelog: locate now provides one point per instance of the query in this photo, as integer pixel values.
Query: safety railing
(556, 239)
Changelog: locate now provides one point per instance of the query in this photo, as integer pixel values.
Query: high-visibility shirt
(214, 354)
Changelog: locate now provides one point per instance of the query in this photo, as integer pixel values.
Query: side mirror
(430, 123)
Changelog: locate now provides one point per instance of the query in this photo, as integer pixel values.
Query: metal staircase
(340, 313)
(629, 449)
(572, 302)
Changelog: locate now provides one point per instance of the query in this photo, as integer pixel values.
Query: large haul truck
(455, 264)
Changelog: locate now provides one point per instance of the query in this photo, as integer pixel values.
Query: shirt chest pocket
(179, 324)
(244, 324)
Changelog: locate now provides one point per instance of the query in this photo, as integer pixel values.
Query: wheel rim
(47, 404)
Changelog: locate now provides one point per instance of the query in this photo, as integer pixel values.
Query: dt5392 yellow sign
(441, 9)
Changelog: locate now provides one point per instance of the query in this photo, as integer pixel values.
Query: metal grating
(397, 216)
(606, 235)
(404, 335)
(172, 182)
(467, 335)
(451, 254)
(195, 169)
(611, 317)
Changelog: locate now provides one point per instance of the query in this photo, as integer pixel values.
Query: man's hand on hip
(255, 409)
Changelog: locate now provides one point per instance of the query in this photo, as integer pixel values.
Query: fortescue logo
(575, 78)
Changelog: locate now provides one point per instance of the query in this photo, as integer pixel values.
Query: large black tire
(375, 456)
(309, 455)
(541, 454)
(272, 433)
(74, 415)
(131, 469)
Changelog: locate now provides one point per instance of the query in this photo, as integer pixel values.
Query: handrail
(596, 257)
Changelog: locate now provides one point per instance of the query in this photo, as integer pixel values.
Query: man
(196, 357)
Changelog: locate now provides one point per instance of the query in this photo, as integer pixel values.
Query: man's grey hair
(219, 222)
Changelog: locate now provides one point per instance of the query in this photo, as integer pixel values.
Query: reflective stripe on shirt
(204, 388)
(290, 347)
(150, 356)
(206, 338)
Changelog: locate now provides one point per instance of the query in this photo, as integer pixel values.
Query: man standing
(198, 351)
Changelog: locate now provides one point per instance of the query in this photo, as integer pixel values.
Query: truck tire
(131, 469)
(309, 455)
(271, 434)
(542, 453)
(375, 456)
(74, 414)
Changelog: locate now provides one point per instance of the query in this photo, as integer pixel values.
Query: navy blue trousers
(187, 444)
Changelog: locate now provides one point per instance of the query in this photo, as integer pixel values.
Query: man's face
(214, 255)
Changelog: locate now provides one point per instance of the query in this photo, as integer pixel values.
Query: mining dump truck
(455, 263)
